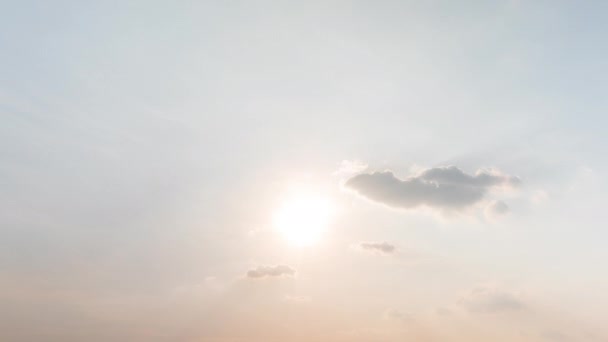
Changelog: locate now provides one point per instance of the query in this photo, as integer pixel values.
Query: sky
(260, 171)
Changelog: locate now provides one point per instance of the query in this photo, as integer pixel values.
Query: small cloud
(296, 299)
(443, 311)
(377, 247)
(496, 210)
(213, 283)
(555, 336)
(539, 197)
(363, 334)
(443, 188)
(270, 271)
(491, 300)
(393, 314)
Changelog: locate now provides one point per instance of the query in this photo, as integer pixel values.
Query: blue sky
(146, 146)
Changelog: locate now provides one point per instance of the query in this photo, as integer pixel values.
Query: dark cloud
(381, 247)
(271, 271)
(446, 188)
(491, 300)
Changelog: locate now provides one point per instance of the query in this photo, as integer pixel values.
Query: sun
(302, 219)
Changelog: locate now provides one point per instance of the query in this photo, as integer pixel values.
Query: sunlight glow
(303, 219)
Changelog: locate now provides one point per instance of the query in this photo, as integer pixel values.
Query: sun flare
(303, 219)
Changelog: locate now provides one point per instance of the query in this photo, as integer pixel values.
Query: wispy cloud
(377, 247)
(397, 315)
(296, 299)
(487, 299)
(271, 271)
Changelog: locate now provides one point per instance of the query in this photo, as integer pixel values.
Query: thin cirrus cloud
(270, 271)
(377, 247)
(443, 188)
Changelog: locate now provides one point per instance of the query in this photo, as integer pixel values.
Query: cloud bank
(444, 188)
(270, 271)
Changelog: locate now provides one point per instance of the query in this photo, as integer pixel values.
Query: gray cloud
(491, 300)
(392, 314)
(446, 188)
(270, 271)
(496, 209)
(382, 247)
(555, 336)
